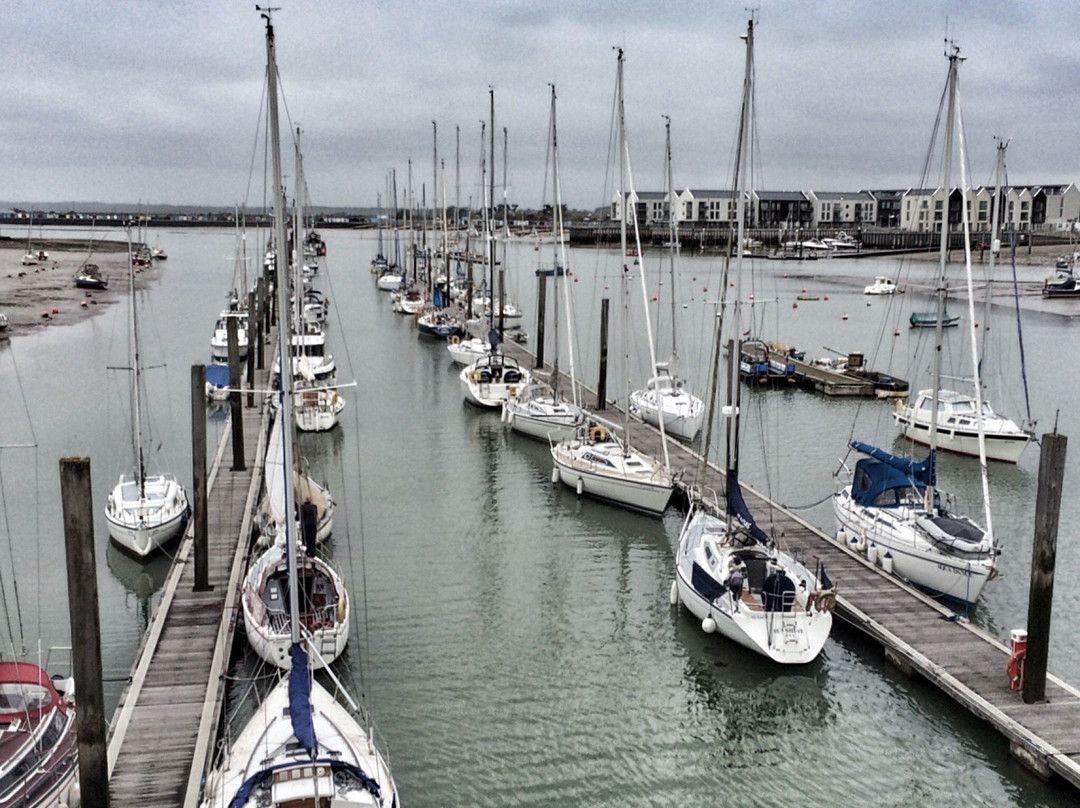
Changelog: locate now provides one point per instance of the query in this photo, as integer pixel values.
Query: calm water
(518, 647)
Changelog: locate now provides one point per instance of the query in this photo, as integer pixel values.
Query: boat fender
(580, 486)
(512, 392)
(708, 625)
(509, 416)
(899, 405)
(342, 610)
(598, 434)
(860, 544)
(826, 600)
(673, 596)
(554, 475)
(454, 340)
(887, 562)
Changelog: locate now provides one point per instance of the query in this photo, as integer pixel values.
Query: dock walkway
(161, 730)
(918, 635)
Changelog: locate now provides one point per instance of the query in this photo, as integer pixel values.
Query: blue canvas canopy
(217, 375)
(883, 472)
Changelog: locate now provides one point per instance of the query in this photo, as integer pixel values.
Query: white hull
(266, 610)
(540, 416)
(317, 410)
(267, 742)
(792, 635)
(390, 282)
(142, 524)
(602, 470)
(682, 413)
(913, 558)
(492, 379)
(1002, 444)
(467, 351)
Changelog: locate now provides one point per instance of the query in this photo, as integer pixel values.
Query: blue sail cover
(300, 699)
(736, 506)
(217, 375)
(922, 472)
(881, 479)
(436, 298)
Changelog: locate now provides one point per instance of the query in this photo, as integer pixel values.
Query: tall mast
(950, 122)
(491, 214)
(284, 340)
(741, 168)
(673, 235)
(623, 287)
(136, 391)
(965, 185)
(555, 230)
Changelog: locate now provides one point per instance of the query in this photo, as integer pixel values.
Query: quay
(162, 733)
(918, 635)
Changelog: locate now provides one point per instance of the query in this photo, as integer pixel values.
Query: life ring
(826, 600)
(598, 434)
(473, 376)
(454, 340)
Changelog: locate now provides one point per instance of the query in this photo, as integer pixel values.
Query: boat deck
(160, 733)
(918, 635)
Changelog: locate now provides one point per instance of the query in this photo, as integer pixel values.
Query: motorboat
(219, 341)
(958, 426)
(882, 285)
(928, 319)
(492, 379)
(1062, 283)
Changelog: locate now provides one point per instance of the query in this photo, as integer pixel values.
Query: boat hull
(959, 579)
(600, 471)
(141, 525)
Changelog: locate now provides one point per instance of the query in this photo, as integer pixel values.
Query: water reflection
(142, 579)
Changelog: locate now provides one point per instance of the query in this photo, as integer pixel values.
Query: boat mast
(491, 217)
(561, 263)
(136, 392)
(965, 184)
(953, 56)
(555, 251)
(506, 244)
(673, 238)
(286, 411)
(734, 393)
(623, 287)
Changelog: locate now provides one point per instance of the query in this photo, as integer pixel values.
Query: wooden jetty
(919, 636)
(161, 732)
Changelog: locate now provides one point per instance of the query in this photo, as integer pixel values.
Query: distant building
(843, 209)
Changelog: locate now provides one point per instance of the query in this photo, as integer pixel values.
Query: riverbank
(44, 295)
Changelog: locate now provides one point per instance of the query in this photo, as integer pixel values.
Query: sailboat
(31, 257)
(301, 747)
(729, 573)
(596, 461)
(144, 511)
(665, 396)
(892, 507)
(957, 413)
(540, 410)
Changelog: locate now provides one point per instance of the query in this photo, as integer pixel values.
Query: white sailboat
(540, 409)
(300, 747)
(665, 396)
(958, 414)
(893, 508)
(596, 461)
(144, 511)
(729, 573)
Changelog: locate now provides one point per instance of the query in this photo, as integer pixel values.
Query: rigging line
(1016, 304)
(259, 129)
(11, 556)
(825, 498)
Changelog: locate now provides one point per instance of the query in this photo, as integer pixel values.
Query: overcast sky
(160, 102)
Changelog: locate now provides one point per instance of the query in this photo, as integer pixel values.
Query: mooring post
(235, 405)
(200, 523)
(261, 326)
(541, 305)
(78, 512)
(250, 363)
(1043, 557)
(601, 384)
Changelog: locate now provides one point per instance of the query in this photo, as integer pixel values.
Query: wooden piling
(200, 523)
(1043, 557)
(250, 363)
(262, 325)
(78, 511)
(235, 405)
(601, 384)
(541, 307)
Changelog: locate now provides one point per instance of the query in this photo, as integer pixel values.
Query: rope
(811, 505)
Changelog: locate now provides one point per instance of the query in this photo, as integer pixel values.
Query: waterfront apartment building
(919, 210)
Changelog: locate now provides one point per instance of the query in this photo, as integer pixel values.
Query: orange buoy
(82, 303)
(751, 297)
(844, 317)
(826, 297)
(804, 290)
(794, 305)
(45, 315)
(57, 311)
(654, 297)
(896, 333)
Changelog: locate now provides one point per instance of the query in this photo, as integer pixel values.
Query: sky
(161, 102)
